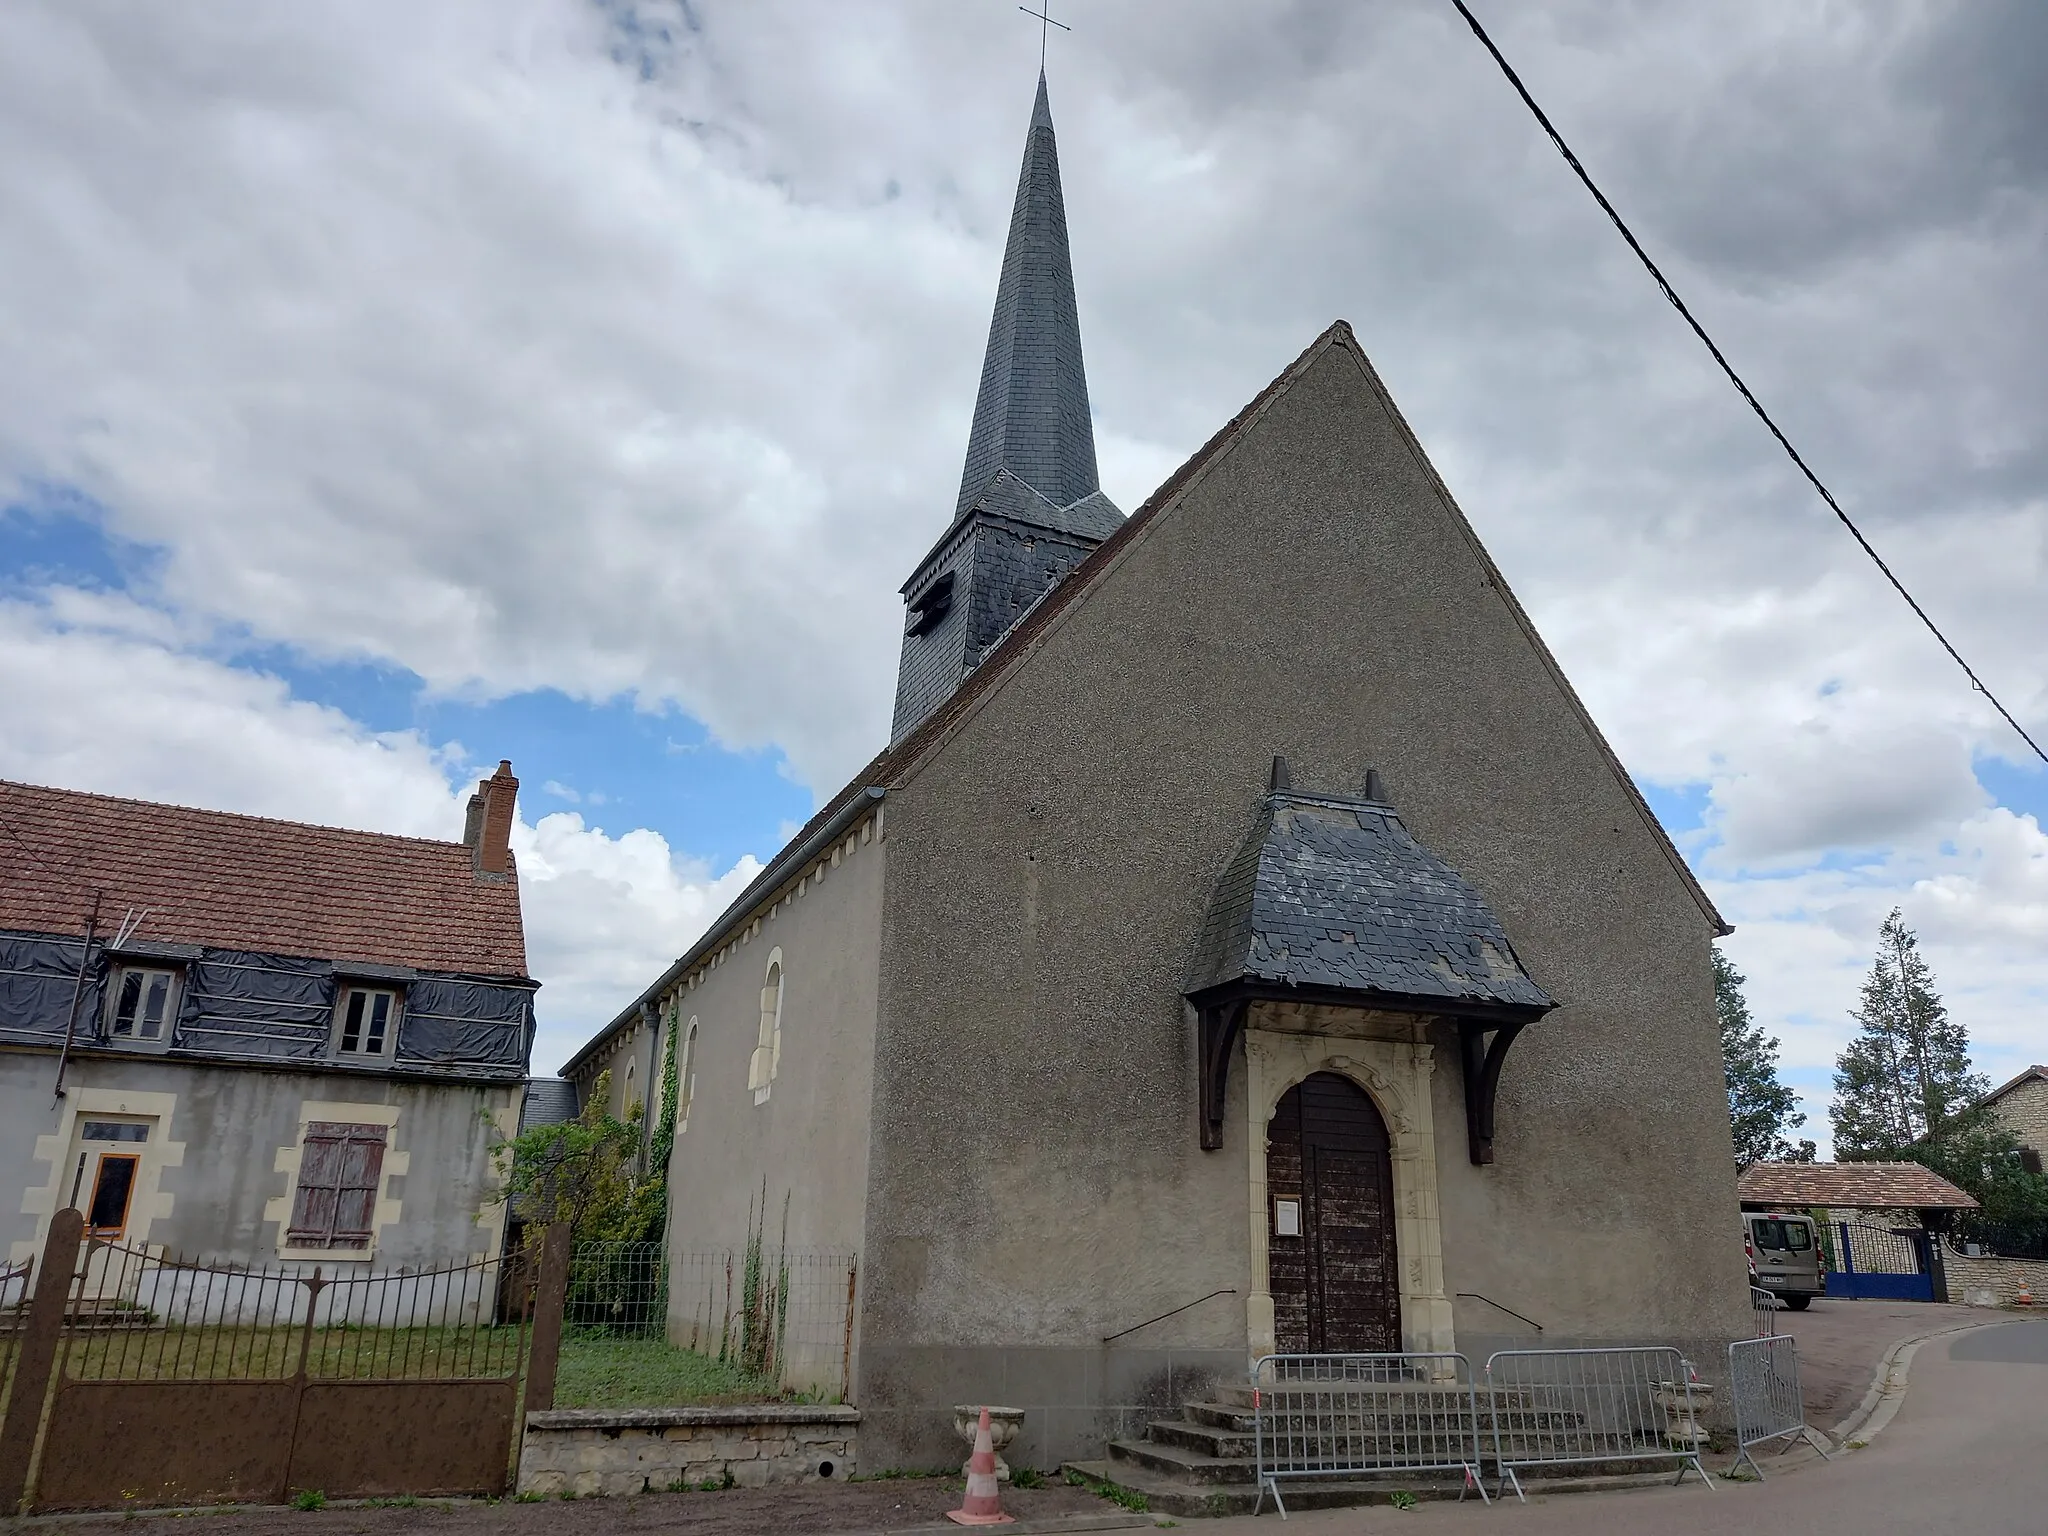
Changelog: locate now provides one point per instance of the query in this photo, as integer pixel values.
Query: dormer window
(367, 1024)
(930, 606)
(145, 1001)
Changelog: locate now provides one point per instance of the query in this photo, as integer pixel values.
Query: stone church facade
(1247, 942)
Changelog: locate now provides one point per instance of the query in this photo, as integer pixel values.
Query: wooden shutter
(340, 1168)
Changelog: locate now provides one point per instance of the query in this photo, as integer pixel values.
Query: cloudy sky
(386, 389)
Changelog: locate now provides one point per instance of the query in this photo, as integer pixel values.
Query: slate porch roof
(1333, 892)
(248, 882)
(1866, 1186)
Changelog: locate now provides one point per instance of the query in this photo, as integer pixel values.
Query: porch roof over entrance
(1332, 894)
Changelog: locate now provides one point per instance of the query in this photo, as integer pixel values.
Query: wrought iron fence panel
(784, 1317)
(137, 1314)
(1556, 1407)
(1872, 1250)
(1997, 1240)
(618, 1290)
(1763, 1376)
(1334, 1416)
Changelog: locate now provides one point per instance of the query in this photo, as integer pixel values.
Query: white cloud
(604, 916)
(113, 711)
(630, 347)
(1977, 895)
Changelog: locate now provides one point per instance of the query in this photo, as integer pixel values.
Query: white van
(1785, 1257)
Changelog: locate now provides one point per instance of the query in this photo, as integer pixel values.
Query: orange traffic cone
(984, 1502)
(2025, 1297)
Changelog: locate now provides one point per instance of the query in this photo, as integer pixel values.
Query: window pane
(1797, 1238)
(352, 1024)
(110, 1191)
(113, 1130)
(131, 995)
(380, 1016)
(153, 1006)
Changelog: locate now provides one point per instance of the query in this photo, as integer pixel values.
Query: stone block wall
(1999, 1278)
(611, 1451)
(2024, 1109)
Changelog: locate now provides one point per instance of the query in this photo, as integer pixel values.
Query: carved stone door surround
(1390, 1057)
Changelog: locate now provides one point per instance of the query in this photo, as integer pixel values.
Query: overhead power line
(1735, 378)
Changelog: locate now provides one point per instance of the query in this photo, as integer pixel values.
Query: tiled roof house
(248, 1038)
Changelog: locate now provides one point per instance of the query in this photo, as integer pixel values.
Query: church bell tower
(1030, 508)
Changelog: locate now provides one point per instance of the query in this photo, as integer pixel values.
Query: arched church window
(686, 1078)
(768, 1043)
(629, 1098)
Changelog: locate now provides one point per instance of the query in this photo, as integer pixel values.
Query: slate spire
(1031, 414)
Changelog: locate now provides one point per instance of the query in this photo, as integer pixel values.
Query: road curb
(1888, 1386)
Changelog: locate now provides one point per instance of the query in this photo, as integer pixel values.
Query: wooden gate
(1333, 1281)
(145, 1381)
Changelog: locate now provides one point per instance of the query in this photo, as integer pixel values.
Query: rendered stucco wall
(217, 1171)
(809, 1140)
(1036, 1181)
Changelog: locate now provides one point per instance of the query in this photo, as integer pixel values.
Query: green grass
(650, 1373)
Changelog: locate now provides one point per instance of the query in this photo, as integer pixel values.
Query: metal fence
(617, 1291)
(1977, 1239)
(150, 1379)
(1330, 1416)
(1763, 1375)
(14, 1286)
(1765, 1306)
(1555, 1407)
(786, 1318)
(138, 1315)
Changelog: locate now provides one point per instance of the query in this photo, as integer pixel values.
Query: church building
(1246, 942)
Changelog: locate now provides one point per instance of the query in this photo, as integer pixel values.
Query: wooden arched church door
(1331, 1257)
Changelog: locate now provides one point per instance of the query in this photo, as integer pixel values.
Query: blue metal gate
(1880, 1263)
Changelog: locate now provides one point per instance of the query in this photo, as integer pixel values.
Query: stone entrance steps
(1203, 1463)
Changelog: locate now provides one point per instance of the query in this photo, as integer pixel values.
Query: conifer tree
(1906, 1076)
(1760, 1107)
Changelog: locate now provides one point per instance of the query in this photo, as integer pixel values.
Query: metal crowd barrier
(1555, 1407)
(1328, 1416)
(1764, 1376)
(1765, 1306)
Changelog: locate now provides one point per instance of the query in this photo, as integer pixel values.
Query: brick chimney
(487, 830)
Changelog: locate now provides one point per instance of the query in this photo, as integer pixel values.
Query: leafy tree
(1906, 1075)
(1760, 1108)
(582, 1172)
(1904, 1089)
(1976, 1152)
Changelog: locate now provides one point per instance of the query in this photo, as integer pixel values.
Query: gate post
(39, 1338)
(1937, 1267)
(552, 1295)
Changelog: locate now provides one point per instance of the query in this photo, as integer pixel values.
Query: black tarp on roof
(237, 1005)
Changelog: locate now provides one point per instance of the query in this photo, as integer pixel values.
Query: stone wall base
(1994, 1282)
(611, 1451)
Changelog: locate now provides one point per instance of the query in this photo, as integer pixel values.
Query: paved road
(1965, 1453)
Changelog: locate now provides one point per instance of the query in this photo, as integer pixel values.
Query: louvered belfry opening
(1335, 1287)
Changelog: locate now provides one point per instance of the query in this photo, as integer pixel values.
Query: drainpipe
(92, 922)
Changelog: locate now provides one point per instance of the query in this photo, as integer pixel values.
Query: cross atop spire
(1031, 414)
(1043, 16)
